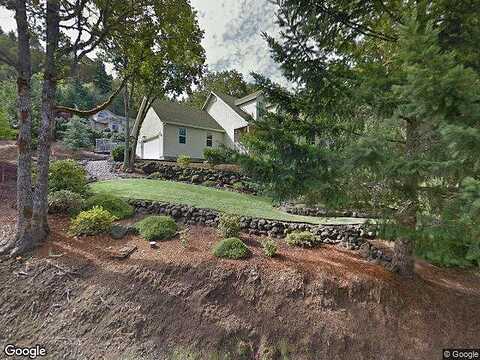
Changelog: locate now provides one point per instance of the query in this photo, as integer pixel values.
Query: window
(182, 135)
(209, 140)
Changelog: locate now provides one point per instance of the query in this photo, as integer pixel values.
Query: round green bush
(115, 205)
(118, 153)
(184, 160)
(65, 202)
(229, 225)
(92, 222)
(231, 248)
(157, 228)
(67, 175)
(301, 238)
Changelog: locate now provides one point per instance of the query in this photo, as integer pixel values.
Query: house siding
(227, 118)
(250, 108)
(153, 130)
(195, 143)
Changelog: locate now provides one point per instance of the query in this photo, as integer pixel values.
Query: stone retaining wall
(322, 212)
(348, 236)
(193, 175)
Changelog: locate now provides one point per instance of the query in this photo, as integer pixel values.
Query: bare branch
(85, 113)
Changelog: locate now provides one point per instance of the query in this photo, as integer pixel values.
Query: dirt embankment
(175, 303)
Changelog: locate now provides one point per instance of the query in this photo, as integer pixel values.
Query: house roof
(170, 112)
(248, 98)
(231, 101)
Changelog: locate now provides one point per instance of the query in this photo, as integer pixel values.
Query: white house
(172, 129)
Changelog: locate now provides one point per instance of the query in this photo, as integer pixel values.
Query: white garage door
(151, 149)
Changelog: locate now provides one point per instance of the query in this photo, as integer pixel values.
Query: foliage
(388, 98)
(184, 160)
(67, 175)
(65, 202)
(77, 134)
(219, 155)
(302, 239)
(184, 238)
(115, 205)
(231, 248)
(239, 186)
(118, 153)
(156, 228)
(269, 247)
(6, 130)
(91, 222)
(229, 82)
(209, 183)
(229, 225)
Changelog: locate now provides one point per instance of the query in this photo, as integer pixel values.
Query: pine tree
(388, 107)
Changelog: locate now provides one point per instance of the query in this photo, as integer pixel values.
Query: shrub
(115, 205)
(156, 175)
(214, 156)
(67, 175)
(239, 186)
(231, 248)
(269, 247)
(77, 134)
(118, 153)
(156, 228)
(184, 160)
(92, 222)
(65, 202)
(6, 131)
(301, 238)
(229, 225)
(209, 183)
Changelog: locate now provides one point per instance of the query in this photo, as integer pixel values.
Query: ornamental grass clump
(92, 222)
(157, 227)
(231, 248)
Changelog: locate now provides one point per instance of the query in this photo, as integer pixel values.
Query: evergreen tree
(101, 79)
(387, 106)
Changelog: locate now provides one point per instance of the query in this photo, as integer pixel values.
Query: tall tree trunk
(403, 261)
(23, 239)
(126, 154)
(40, 202)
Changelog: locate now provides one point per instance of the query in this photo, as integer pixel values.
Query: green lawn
(204, 197)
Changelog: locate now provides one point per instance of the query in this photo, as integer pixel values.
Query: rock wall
(348, 236)
(321, 212)
(204, 176)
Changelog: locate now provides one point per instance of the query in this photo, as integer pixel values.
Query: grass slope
(204, 197)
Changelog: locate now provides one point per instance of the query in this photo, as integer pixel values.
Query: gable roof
(248, 98)
(230, 101)
(170, 112)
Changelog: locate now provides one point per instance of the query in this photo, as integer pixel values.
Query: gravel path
(100, 170)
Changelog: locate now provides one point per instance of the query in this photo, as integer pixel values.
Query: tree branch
(85, 113)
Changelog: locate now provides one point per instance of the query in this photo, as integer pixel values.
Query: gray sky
(232, 34)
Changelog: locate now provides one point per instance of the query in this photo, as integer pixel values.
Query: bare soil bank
(176, 303)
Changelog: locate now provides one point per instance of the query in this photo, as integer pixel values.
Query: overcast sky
(232, 38)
